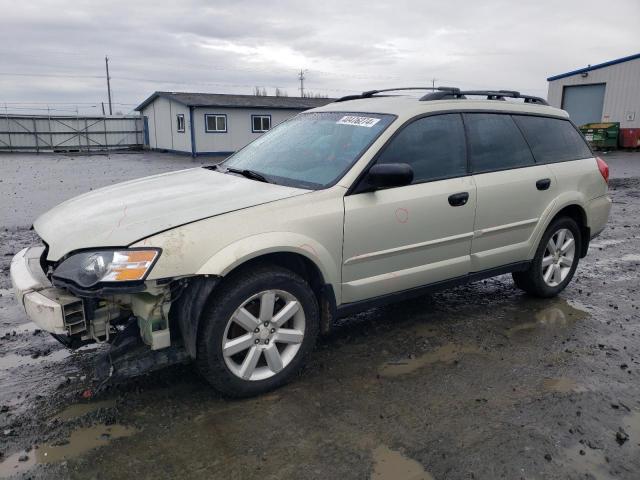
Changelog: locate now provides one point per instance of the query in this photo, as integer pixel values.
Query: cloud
(198, 45)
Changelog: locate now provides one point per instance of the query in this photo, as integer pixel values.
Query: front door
(401, 238)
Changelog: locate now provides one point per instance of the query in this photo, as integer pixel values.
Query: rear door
(513, 191)
(404, 237)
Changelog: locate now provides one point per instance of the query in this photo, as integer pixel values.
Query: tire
(255, 368)
(536, 279)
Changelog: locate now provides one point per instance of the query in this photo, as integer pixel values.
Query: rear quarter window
(552, 139)
(495, 143)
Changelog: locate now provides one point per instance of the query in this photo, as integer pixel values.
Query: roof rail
(445, 93)
(371, 93)
(451, 93)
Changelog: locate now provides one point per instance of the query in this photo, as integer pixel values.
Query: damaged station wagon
(370, 199)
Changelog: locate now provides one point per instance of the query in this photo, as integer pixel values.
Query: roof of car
(407, 106)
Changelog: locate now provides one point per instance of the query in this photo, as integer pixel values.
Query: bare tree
(315, 95)
(281, 93)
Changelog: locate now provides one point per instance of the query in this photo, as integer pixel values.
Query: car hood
(124, 213)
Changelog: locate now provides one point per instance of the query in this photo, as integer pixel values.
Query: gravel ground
(478, 382)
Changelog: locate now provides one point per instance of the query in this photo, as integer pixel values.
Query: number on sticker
(358, 121)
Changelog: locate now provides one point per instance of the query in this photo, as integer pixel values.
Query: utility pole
(106, 64)
(103, 114)
(301, 77)
(433, 83)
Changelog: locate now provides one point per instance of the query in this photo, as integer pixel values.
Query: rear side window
(552, 139)
(495, 143)
(434, 146)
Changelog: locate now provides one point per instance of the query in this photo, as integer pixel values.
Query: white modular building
(212, 123)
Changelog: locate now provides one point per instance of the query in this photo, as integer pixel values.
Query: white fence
(43, 133)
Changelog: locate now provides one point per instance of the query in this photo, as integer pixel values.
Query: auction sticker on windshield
(358, 121)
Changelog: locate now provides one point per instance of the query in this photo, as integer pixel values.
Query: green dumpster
(601, 136)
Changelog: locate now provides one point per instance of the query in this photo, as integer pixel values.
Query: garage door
(584, 102)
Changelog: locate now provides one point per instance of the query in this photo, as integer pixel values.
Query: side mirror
(385, 175)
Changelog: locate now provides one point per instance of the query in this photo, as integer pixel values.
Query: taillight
(604, 169)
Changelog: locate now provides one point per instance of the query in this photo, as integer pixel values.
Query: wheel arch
(571, 207)
(579, 215)
(304, 257)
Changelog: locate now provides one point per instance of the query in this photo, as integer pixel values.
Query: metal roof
(594, 67)
(237, 101)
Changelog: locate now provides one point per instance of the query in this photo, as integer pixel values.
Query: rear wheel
(555, 261)
(257, 330)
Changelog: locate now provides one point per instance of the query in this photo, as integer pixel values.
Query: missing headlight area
(88, 305)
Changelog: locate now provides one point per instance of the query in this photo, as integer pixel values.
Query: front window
(260, 123)
(311, 150)
(215, 123)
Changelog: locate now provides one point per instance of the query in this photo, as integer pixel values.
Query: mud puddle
(556, 314)
(446, 354)
(589, 463)
(81, 409)
(392, 465)
(595, 463)
(80, 441)
(562, 385)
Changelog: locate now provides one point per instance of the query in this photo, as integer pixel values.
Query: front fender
(239, 252)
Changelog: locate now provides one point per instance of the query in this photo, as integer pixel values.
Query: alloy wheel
(558, 257)
(263, 335)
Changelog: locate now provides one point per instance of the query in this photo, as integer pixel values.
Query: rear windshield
(553, 139)
(311, 150)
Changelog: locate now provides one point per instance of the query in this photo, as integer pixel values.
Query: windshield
(311, 150)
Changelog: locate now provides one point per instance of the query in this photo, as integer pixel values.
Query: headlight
(90, 268)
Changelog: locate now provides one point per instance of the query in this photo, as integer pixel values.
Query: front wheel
(555, 261)
(257, 330)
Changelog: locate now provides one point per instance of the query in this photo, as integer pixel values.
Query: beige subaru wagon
(370, 199)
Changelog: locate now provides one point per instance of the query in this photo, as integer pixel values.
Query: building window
(215, 123)
(260, 123)
(180, 122)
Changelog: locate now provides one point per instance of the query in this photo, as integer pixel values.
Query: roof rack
(446, 93)
(451, 93)
(371, 93)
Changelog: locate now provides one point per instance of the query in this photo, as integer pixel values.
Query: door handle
(543, 184)
(458, 199)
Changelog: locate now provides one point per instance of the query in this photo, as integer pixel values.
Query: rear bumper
(45, 305)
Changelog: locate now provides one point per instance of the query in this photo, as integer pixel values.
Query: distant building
(607, 92)
(212, 123)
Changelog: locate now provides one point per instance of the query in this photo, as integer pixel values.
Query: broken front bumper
(52, 309)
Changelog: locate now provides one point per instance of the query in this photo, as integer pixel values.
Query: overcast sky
(53, 51)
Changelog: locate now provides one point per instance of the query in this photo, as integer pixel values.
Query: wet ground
(479, 382)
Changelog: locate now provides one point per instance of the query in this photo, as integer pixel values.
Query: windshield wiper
(253, 175)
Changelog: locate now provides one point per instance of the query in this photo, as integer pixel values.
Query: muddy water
(80, 441)
(446, 354)
(81, 409)
(562, 385)
(391, 465)
(553, 314)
